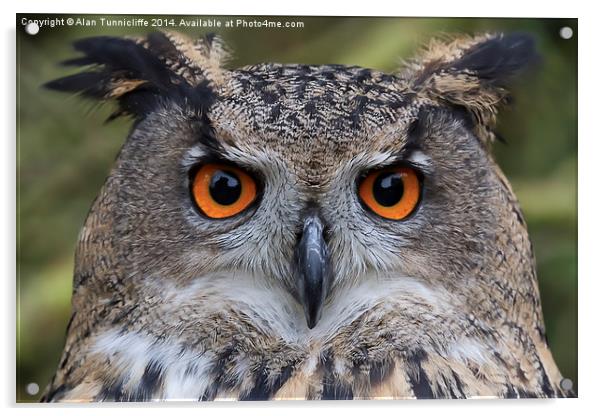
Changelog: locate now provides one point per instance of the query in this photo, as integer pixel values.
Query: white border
(589, 210)
(460, 8)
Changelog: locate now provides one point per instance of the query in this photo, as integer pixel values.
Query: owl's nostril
(312, 210)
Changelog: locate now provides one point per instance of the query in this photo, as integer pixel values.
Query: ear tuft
(141, 73)
(499, 58)
(472, 73)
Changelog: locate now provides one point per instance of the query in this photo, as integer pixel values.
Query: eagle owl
(281, 231)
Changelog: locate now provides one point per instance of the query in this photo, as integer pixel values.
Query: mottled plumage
(169, 304)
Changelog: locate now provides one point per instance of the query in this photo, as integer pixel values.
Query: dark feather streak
(418, 379)
(150, 383)
(332, 387)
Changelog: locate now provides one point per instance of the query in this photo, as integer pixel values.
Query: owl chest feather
(376, 340)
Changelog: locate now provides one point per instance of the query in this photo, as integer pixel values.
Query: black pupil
(388, 188)
(225, 188)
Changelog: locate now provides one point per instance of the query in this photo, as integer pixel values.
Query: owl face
(311, 186)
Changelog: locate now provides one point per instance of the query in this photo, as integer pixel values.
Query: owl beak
(313, 277)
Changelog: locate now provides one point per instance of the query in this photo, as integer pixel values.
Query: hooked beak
(313, 269)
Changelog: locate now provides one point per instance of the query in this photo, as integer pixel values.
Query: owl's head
(306, 178)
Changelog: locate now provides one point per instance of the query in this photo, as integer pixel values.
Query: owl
(291, 231)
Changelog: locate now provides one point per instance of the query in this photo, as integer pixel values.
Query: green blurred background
(65, 151)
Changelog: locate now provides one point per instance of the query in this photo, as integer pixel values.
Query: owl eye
(392, 193)
(221, 191)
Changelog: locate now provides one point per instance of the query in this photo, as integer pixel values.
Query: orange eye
(221, 191)
(392, 193)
